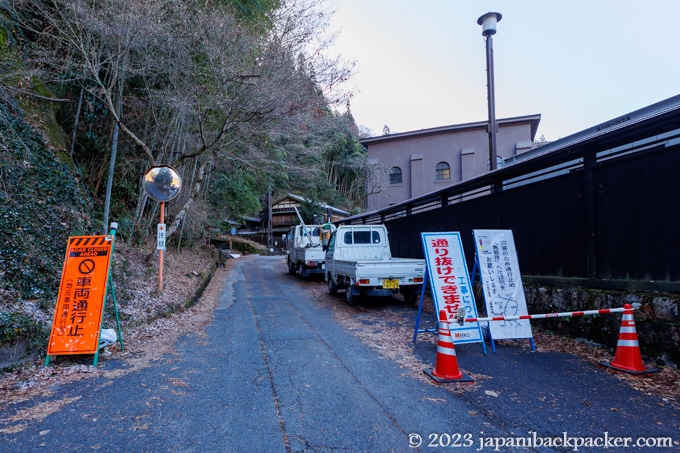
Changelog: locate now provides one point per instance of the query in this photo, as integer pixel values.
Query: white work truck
(304, 252)
(359, 261)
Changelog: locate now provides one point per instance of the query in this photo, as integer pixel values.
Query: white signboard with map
(498, 265)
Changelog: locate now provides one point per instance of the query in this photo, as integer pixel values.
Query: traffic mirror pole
(160, 252)
(161, 183)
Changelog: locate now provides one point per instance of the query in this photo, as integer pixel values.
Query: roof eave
(534, 120)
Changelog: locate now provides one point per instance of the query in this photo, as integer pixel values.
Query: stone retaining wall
(657, 321)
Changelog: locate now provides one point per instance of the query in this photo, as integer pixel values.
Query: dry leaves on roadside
(144, 342)
(392, 341)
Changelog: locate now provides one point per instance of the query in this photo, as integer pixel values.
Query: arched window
(442, 171)
(395, 175)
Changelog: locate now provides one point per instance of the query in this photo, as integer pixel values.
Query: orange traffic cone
(627, 357)
(446, 364)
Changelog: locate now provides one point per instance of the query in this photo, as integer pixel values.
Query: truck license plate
(390, 284)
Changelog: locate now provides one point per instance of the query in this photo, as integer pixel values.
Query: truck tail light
(364, 281)
(418, 280)
(310, 264)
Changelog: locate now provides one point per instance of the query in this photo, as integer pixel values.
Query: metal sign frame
(498, 265)
(81, 301)
(450, 284)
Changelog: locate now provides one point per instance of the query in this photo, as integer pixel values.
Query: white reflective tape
(627, 329)
(445, 350)
(628, 343)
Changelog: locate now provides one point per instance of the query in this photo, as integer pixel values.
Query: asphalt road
(276, 373)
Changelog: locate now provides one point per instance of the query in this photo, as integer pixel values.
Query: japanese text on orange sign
(78, 313)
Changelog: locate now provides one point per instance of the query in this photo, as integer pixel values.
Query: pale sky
(578, 63)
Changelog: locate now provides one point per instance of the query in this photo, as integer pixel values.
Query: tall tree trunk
(75, 122)
(193, 175)
(195, 191)
(112, 162)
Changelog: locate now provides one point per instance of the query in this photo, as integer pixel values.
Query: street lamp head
(488, 22)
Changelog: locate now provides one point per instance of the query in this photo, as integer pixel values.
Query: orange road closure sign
(82, 292)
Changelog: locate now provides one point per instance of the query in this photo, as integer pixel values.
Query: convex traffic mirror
(162, 183)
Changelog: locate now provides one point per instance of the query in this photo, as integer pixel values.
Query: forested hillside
(241, 97)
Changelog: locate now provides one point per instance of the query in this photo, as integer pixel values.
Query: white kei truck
(304, 252)
(359, 261)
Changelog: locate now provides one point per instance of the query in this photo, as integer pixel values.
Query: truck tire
(350, 298)
(411, 296)
(332, 287)
(301, 270)
(291, 267)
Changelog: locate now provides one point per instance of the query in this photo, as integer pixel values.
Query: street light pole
(488, 22)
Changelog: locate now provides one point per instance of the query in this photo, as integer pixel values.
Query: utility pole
(269, 218)
(488, 22)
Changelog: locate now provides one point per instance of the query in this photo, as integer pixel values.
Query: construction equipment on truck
(304, 251)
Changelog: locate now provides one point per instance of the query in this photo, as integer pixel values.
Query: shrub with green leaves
(15, 326)
(41, 203)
